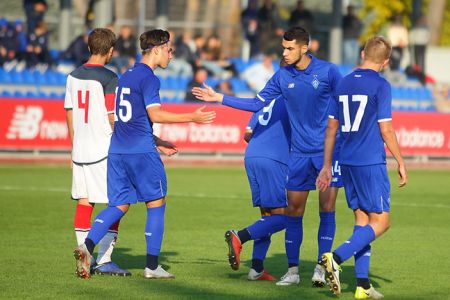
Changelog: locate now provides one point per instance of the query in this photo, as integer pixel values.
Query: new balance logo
(148, 234)
(25, 123)
(358, 75)
(99, 221)
(291, 85)
(288, 242)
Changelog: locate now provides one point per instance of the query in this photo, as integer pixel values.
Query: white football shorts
(89, 181)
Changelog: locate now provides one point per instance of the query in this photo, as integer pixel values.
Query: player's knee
(327, 207)
(295, 210)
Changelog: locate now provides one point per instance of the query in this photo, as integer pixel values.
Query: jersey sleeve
(253, 121)
(384, 102)
(334, 77)
(272, 89)
(68, 104)
(150, 91)
(333, 108)
(110, 93)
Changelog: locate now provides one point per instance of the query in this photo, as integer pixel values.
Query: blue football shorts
(267, 178)
(367, 188)
(303, 172)
(137, 177)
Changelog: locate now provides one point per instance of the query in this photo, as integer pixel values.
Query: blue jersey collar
(366, 71)
(145, 66)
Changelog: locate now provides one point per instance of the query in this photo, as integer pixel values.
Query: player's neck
(371, 66)
(149, 61)
(303, 62)
(96, 60)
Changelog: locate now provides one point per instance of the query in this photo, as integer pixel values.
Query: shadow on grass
(123, 258)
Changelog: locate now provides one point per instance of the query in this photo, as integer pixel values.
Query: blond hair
(377, 49)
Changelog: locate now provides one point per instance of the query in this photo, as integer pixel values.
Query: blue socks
(325, 235)
(362, 260)
(356, 243)
(154, 229)
(293, 239)
(101, 225)
(260, 248)
(266, 226)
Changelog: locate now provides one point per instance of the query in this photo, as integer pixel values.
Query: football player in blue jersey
(135, 170)
(362, 110)
(307, 85)
(266, 167)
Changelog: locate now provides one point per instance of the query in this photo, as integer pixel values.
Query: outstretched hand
(207, 94)
(203, 117)
(324, 179)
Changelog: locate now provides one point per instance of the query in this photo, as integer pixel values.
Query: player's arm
(69, 120)
(271, 91)
(324, 178)
(158, 115)
(165, 147)
(111, 120)
(110, 98)
(208, 94)
(390, 139)
(384, 116)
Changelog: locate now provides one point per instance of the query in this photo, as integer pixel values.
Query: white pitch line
(201, 195)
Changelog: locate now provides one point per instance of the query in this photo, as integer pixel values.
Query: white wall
(438, 63)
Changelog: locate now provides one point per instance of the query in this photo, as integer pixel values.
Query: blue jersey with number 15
(363, 99)
(137, 89)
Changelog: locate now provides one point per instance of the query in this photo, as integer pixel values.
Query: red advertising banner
(40, 124)
(423, 133)
(33, 124)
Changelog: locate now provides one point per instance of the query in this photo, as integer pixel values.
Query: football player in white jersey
(89, 104)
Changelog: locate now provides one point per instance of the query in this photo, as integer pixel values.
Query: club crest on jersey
(315, 83)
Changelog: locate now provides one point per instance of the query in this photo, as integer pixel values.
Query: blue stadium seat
(28, 77)
(39, 78)
(54, 54)
(171, 83)
(51, 77)
(212, 82)
(5, 77)
(164, 85)
(183, 83)
(31, 94)
(16, 77)
(61, 78)
(18, 94)
(6, 93)
(238, 85)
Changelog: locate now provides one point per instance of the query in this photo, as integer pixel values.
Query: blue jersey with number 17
(137, 89)
(362, 100)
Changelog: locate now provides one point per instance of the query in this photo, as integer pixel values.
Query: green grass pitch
(36, 240)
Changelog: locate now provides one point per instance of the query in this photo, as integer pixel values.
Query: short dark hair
(100, 40)
(153, 38)
(300, 34)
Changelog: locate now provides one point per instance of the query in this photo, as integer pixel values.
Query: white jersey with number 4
(90, 93)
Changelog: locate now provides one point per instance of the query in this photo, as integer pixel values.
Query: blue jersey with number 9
(137, 90)
(362, 100)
